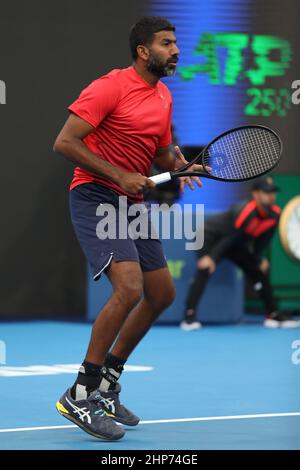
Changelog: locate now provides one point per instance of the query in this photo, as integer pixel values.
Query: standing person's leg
(195, 292)
(205, 267)
(83, 398)
(82, 403)
(119, 259)
(101, 368)
(127, 280)
(263, 286)
(248, 263)
(274, 318)
(196, 289)
(158, 294)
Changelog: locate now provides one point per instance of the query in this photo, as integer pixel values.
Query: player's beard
(158, 68)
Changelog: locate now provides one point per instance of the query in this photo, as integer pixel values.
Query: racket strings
(243, 153)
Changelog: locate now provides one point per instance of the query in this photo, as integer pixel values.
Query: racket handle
(162, 178)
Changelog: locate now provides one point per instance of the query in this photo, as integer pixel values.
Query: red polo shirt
(131, 119)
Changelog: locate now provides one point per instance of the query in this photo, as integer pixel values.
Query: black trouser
(249, 265)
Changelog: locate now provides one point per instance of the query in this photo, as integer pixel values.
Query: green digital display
(224, 63)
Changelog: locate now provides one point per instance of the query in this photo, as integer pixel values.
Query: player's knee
(170, 295)
(130, 291)
(162, 300)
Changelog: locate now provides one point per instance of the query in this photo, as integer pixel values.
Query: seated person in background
(240, 234)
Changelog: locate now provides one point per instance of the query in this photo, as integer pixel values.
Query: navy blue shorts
(84, 201)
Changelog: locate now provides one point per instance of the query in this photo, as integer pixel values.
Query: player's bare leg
(127, 281)
(83, 401)
(159, 293)
(102, 368)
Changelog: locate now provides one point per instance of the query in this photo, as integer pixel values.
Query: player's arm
(166, 160)
(69, 143)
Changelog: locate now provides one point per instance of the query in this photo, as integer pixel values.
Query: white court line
(160, 421)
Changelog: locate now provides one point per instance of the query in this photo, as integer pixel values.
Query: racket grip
(162, 178)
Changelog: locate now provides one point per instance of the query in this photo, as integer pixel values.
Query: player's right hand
(206, 262)
(264, 265)
(134, 183)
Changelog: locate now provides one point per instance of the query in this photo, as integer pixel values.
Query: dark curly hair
(142, 32)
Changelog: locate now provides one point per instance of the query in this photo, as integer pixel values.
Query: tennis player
(119, 126)
(241, 234)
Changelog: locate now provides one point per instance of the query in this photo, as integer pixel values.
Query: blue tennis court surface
(226, 387)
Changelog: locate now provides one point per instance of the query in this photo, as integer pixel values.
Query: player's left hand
(180, 161)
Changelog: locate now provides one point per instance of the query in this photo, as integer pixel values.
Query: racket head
(239, 154)
(242, 153)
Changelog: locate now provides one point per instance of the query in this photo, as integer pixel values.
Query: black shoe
(90, 416)
(110, 402)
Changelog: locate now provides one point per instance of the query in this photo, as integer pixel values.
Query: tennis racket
(238, 154)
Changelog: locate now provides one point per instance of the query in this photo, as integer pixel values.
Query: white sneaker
(281, 320)
(190, 326)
